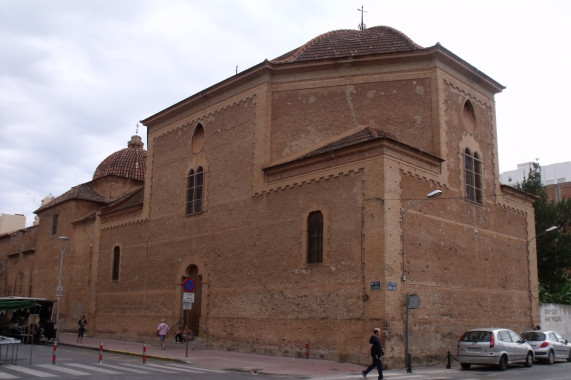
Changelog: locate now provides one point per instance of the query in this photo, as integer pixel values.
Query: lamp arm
(412, 205)
(538, 235)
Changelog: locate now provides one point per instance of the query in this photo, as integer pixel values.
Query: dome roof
(348, 43)
(130, 162)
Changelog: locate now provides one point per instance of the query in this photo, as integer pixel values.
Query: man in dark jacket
(376, 353)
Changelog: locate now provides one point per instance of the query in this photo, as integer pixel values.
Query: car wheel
(503, 363)
(529, 360)
(550, 357)
(466, 366)
(569, 358)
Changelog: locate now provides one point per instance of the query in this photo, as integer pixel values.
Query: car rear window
(477, 336)
(533, 336)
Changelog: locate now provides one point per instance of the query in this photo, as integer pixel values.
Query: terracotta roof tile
(364, 135)
(80, 192)
(347, 43)
(134, 198)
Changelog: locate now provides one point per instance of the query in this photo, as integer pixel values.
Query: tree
(553, 248)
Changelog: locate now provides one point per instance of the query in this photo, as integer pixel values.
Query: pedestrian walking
(162, 331)
(376, 353)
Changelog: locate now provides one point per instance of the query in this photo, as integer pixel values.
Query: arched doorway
(191, 318)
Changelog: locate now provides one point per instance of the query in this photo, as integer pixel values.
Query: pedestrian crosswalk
(73, 370)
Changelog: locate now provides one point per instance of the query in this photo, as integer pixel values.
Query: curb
(158, 357)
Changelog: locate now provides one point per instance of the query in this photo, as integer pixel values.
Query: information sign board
(188, 297)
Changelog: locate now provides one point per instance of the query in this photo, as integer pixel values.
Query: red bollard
(54, 356)
(100, 352)
(306, 350)
(144, 354)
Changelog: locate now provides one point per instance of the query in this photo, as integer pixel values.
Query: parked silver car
(548, 346)
(493, 346)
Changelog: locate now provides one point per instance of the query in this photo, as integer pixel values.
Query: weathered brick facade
(358, 137)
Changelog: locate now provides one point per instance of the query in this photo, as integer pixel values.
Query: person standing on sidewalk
(162, 331)
(376, 353)
(81, 330)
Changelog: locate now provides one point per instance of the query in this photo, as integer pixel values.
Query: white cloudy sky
(77, 76)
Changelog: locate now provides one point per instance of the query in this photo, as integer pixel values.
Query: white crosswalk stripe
(179, 369)
(202, 370)
(94, 368)
(123, 368)
(28, 371)
(152, 367)
(59, 368)
(7, 376)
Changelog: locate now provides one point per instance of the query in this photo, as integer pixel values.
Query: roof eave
(446, 56)
(518, 193)
(377, 143)
(233, 81)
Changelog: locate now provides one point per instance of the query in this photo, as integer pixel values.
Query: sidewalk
(223, 360)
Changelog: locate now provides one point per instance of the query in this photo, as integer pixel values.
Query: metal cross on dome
(362, 26)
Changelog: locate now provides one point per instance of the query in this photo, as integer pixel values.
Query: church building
(348, 184)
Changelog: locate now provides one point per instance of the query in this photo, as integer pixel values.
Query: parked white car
(493, 346)
(548, 346)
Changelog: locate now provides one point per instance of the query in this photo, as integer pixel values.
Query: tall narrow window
(315, 237)
(473, 172)
(478, 178)
(116, 263)
(194, 191)
(54, 224)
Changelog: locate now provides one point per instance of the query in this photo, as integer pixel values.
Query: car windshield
(533, 336)
(477, 336)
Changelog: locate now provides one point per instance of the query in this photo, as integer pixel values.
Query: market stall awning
(11, 303)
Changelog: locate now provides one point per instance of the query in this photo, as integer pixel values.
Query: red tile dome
(130, 162)
(351, 43)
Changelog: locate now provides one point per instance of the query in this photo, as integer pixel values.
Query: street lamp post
(432, 194)
(63, 244)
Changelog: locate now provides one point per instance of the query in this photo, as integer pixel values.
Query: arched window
(473, 171)
(194, 187)
(116, 263)
(315, 237)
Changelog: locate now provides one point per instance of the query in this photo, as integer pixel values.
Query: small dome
(130, 162)
(351, 43)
